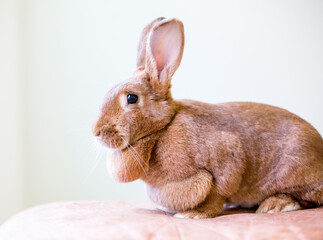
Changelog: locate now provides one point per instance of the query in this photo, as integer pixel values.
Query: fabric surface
(127, 220)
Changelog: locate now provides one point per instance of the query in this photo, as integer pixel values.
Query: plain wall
(11, 142)
(75, 51)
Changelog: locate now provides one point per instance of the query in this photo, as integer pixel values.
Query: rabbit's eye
(132, 98)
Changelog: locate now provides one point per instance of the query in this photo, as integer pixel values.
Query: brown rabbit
(194, 156)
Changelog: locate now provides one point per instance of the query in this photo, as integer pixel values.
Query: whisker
(135, 154)
(138, 160)
(98, 159)
(125, 175)
(126, 164)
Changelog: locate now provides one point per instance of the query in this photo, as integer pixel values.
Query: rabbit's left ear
(164, 53)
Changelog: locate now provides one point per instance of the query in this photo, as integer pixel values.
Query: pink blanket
(127, 220)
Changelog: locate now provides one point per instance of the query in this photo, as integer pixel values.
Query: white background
(58, 59)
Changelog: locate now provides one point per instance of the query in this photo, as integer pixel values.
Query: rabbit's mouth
(109, 136)
(101, 142)
(117, 142)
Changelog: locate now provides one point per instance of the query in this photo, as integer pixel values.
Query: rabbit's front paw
(195, 214)
(166, 210)
(279, 203)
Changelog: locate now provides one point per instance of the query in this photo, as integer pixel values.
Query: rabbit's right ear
(164, 52)
(141, 50)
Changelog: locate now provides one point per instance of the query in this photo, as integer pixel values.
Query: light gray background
(58, 59)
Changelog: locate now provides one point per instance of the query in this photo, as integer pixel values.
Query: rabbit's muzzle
(109, 135)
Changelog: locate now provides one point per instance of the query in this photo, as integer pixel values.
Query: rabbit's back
(266, 149)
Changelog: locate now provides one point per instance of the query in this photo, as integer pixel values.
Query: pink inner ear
(165, 45)
(160, 60)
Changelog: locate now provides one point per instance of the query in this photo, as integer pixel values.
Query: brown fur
(196, 156)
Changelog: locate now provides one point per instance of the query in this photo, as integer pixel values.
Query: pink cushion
(126, 220)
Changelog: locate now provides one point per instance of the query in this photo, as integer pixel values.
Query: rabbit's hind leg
(313, 196)
(281, 202)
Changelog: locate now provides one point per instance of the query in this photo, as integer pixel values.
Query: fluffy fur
(194, 156)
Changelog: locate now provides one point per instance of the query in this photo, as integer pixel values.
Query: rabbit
(194, 157)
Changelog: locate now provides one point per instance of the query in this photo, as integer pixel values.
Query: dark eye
(132, 98)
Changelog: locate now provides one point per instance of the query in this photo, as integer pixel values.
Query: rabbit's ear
(164, 53)
(141, 50)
